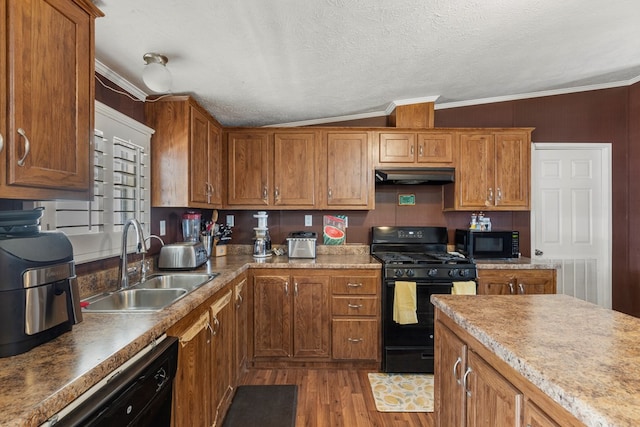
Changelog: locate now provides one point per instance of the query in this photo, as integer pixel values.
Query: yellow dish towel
(464, 288)
(404, 303)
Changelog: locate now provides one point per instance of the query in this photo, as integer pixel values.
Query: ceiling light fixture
(156, 75)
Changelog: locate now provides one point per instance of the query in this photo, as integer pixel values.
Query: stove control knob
(432, 272)
(464, 272)
(410, 272)
(398, 273)
(453, 272)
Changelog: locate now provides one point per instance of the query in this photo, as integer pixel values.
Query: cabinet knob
(27, 146)
(356, 306)
(276, 194)
(265, 193)
(330, 193)
(1, 142)
(355, 340)
(498, 195)
(421, 151)
(521, 288)
(354, 285)
(490, 194)
(412, 149)
(511, 290)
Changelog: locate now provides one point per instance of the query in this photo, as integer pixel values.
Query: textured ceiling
(257, 62)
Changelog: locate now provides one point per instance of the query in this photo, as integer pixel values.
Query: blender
(262, 240)
(191, 226)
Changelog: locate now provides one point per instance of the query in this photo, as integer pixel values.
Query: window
(121, 190)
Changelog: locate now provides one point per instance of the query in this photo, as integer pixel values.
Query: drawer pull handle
(355, 340)
(464, 382)
(27, 146)
(354, 285)
(356, 306)
(455, 369)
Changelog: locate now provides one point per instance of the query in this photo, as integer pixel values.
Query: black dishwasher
(138, 395)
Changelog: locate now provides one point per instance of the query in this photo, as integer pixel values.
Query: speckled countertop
(37, 384)
(583, 356)
(522, 263)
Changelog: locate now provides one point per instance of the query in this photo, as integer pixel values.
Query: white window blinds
(121, 189)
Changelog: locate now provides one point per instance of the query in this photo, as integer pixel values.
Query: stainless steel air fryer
(39, 297)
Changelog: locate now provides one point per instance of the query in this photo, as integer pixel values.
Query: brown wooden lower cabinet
(205, 378)
(314, 316)
(473, 387)
(516, 282)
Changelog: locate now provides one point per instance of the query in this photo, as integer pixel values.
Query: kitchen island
(39, 383)
(559, 360)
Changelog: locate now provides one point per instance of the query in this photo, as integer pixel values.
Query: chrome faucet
(144, 267)
(140, 248)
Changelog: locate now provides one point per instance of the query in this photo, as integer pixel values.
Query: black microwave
(488, 244)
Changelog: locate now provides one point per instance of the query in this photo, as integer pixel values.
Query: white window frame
(106, 241)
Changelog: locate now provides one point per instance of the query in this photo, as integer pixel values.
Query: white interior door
(571, 216)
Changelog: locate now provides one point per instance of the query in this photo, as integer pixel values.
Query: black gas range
(418, 255)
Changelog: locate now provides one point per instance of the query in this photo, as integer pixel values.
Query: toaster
(302, 244)
(182, 256)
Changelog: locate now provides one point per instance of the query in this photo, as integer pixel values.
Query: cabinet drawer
(350, 285)
(354, 306)
(355, 339)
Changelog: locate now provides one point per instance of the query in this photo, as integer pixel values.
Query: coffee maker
(261, 239)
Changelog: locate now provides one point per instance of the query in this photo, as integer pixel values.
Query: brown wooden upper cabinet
(492, 171)
(46, 124)
(186, 154)
(267, 168)
(298, 169)
(347, 167)
(419, 149)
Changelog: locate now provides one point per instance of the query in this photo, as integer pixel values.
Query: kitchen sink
(175, 281)
(155, 293)
(135, 300)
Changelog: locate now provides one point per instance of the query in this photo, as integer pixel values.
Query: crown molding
(530, 95)
(393, 104)
(116, 78)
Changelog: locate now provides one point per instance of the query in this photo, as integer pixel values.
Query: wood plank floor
(335, 398)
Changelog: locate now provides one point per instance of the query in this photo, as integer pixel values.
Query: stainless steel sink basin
(135, 300)
(186, 281)
(155, 293)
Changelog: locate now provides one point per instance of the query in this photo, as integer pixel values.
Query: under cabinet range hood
(414, 176)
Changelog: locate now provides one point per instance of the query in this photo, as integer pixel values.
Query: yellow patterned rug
(402, 392)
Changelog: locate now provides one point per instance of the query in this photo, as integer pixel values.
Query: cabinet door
(50, 95)
(490, 397)
(311, 316)
(349, 172)
(474, 174)
(241, 338)
(192, 387)
(199, 162)
(295, 173)
(248, 169)
(435, 148)
(536, 281)
(272, 316)
(516, 282)
(396, 147)
(222, 375)
(536, 417)
(355, 339)
(215, 165)
(497, 282)
(513, 153)
(450, 363)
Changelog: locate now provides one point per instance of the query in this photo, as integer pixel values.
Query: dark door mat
(263, 405)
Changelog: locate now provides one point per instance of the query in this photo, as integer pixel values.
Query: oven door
(410, 348)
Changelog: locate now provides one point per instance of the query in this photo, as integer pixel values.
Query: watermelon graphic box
(333, 230)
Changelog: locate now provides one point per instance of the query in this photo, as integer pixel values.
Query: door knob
(538, 252)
